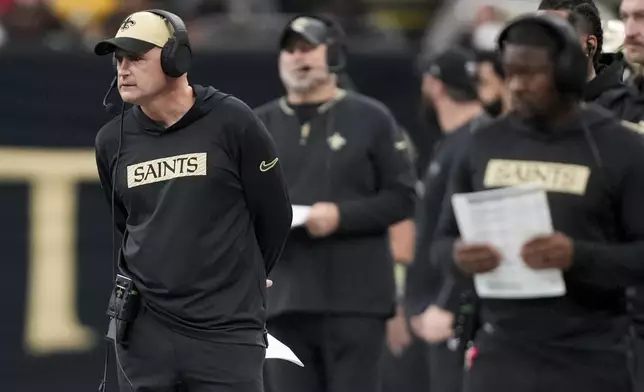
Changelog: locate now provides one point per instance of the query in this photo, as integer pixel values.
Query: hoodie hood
(609, 75)
(589, 117)
(637, 84)
(609, 91)
(590, 120)
(205, 99)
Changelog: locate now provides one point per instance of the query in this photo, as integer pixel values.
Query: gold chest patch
(554, 177)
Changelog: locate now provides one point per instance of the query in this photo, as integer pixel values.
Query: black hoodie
(204, 213)
(350, 152)
(423, 278)
(608, 90)
(636, 294)
(593, 170)
(627, 103)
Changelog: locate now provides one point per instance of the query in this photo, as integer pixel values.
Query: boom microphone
(110, 107)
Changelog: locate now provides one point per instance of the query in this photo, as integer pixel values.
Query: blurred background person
(633, 45)
(450, 85)
(631, 12)
(343, 155)
(607, 88)
(491, 87)
(404, 363)
(633, 30)
(478, 34)
(605, 70)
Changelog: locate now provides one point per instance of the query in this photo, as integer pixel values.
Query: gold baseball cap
(138, 33)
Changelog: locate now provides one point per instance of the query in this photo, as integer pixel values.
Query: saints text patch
(164, 169)
(554, 177)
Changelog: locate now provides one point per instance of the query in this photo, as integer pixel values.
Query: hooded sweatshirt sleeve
(105, 164)
(422, 278)
(265, 189)
(396, 194)
(618, 265)
(447, 233)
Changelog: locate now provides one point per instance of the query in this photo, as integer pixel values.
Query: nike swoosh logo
(264, 167)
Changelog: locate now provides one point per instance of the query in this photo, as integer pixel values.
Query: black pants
(340, 353)
(505, 368)
(158, 359)
(407, 373)
(445, 368)
(637, 364)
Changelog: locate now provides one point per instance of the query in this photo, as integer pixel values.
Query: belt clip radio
(122, 309)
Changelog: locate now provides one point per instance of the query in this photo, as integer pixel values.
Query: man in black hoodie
(199, 199)
(593, 171)
(344, 156)
(449, 85)
(631, 12)
(605, 85)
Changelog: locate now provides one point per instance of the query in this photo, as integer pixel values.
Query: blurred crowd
(371, 25)
(74, 24)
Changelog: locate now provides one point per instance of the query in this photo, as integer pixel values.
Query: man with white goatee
(347, 171)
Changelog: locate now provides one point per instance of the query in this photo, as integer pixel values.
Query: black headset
(176, 54)
(571, 63)
(335, 41)
(336, 44)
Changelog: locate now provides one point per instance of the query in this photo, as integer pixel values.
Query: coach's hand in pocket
(475, 258)
(549, 251)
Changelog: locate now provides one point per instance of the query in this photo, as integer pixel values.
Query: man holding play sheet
(592, 169)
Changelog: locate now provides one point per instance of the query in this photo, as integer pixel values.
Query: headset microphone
(110, 107)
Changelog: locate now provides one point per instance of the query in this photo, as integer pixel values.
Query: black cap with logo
(313, 30)
(456, 67)
(138, 33)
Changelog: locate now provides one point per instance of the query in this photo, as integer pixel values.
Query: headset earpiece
(176, 54)
(334, 56)
(336, 46)
(337, 58)
(334, 39)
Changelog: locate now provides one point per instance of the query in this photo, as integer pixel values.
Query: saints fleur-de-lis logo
(299, 24)
(127, 23)
(336, 141)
